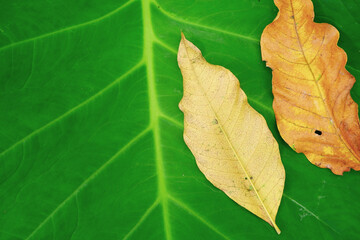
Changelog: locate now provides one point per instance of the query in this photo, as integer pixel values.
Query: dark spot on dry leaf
(318, 132)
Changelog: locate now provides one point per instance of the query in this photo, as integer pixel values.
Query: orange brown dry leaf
(314, 111)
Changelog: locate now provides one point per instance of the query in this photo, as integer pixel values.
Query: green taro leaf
(91, 134)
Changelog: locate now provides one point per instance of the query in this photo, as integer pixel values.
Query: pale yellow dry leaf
(231, 142)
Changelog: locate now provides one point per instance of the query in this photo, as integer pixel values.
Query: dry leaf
(314, 111)
(231, 142)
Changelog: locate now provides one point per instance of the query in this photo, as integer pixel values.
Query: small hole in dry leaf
(318, 132)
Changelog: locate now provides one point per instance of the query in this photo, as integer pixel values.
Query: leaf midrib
(154, 112)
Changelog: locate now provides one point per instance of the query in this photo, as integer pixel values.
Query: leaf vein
(90, 178)
(109, 14)
(72, 110)
(178, 19)
(196, 215)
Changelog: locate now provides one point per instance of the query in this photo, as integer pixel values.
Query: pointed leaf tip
(182, 35)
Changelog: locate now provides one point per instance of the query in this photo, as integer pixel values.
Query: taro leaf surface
(91, 134)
